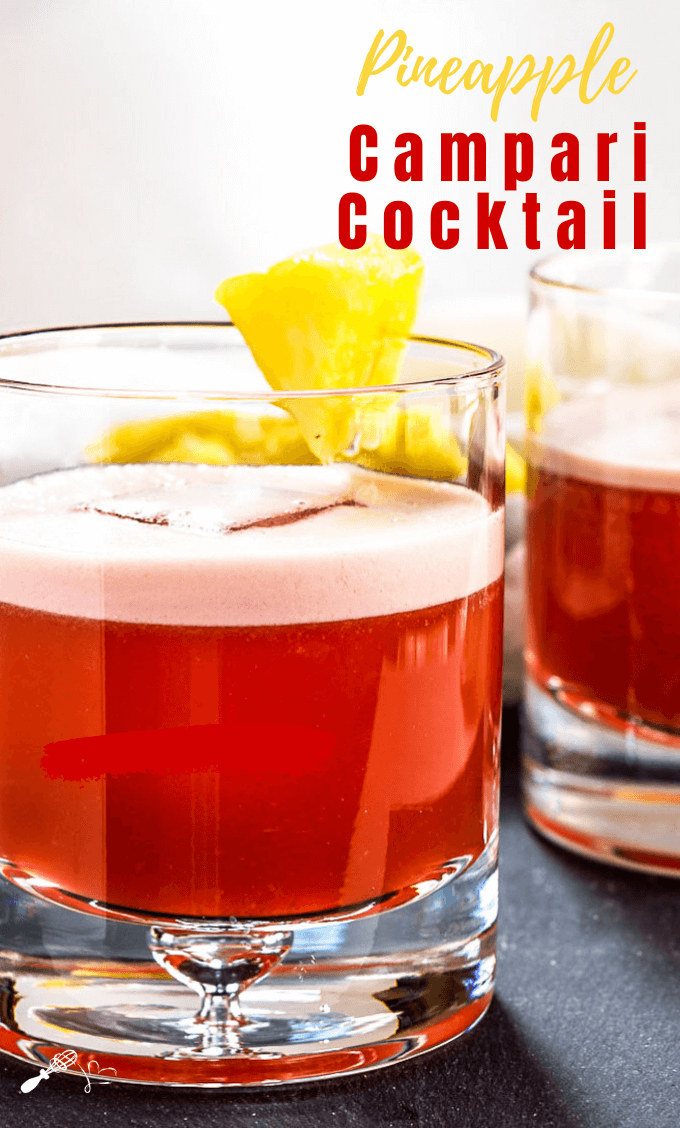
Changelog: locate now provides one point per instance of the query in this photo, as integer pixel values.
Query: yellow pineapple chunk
(329, 318)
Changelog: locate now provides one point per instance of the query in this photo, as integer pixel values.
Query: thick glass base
(347, 997)
(610, 792)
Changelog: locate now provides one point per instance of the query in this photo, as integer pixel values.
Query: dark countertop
(583, 1029)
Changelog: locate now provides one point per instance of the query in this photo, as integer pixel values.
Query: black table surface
(583, 1029)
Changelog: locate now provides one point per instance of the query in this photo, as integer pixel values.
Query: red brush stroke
(257, 748)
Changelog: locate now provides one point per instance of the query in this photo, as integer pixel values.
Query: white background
(149, 148)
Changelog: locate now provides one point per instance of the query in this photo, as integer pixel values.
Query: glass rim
(539, 275)
(483, 376)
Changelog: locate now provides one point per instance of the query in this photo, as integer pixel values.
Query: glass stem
(218, 963)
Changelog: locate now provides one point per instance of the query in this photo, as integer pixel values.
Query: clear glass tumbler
(602, 745)
(249, 707)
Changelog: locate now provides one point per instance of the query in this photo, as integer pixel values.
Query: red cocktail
(604, 563)
(249, 699)
(602, 754)
(603, 546)
(253, 770)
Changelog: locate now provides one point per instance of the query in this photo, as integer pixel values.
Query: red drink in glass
(603, 544)
(247, 704)
(601, 738)
(604, 601)
(274, 706)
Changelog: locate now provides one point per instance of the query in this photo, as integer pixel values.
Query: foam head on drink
(249, 691)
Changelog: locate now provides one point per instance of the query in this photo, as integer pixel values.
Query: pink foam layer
(628, 437)
(152, 543)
